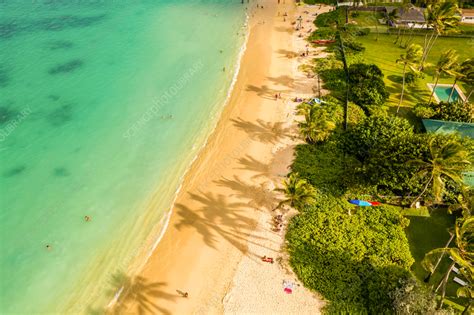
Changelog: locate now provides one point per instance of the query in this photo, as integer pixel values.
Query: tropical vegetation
(358, 147)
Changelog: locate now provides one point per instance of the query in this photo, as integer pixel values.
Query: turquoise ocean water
(103, 106)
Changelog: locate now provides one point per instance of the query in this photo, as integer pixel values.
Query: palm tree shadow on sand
(217, 218)
(249, 163)
(135, 291)
(259, 197)
(263, 131)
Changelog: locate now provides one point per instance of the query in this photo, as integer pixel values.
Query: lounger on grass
(461, 282)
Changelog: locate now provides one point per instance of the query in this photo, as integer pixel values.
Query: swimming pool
(442, 92)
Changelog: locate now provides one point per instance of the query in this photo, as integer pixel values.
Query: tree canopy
(366, 85)
(354, 261)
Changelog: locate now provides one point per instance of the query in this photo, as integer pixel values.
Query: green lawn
(384, 53)
(426, 233)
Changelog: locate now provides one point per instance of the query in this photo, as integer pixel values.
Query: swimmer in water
(87, 218)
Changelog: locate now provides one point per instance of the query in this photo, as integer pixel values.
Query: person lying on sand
(267, 259)
(183, 294)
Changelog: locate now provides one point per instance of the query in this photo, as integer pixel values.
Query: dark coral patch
(4, 77)
(60, 44)
(61, 115)
(61, 172)
(66, 67)
(53, 97)
(14, 171)
(7, 114)
(67, 21)
(8, 30)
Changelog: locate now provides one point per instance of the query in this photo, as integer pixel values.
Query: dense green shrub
(332, 74)
(331, 18)
(323, 33)
(410, 78)
(453, 111)
(326, 167)
(334, 109)
(363, 31)
(412, 297)
(356, 260)
(384, 145)
(353, 47)
(366, 85)
(320, 1)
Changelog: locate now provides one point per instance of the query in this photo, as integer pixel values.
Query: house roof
(447, 127)
(467, 12)
(411, 14)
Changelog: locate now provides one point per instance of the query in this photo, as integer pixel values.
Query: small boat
(324, 41)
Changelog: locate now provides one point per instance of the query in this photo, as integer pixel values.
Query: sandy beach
(221, 222)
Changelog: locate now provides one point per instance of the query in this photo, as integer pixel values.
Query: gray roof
(406, 15)
(411, 15)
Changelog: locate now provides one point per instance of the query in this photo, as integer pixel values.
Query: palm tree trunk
(452, 89)
(401, 38)
(410, 38)
(403, 87)
(424, 190)
(443, 283)
(468, 96)
(466, 309)
(376, 25)
(427, 279)
(346, 71)
(434, 87)
(424, 43)
(398, 36)
(429, 50)
(426, 49)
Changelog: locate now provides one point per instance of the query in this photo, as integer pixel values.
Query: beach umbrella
(360, 203)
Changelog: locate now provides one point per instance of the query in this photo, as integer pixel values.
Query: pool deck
(456, 87)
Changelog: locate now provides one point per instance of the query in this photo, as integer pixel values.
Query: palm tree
(392, 18)
(464, 202)
(316, 126)
(464, 73)
(447, 160)
(462, 254)
(298, 192)
(410, 60)
(433, 269)
(405, 7)
(446, 64)
(305, 108)
(342, 52)
(443, 17)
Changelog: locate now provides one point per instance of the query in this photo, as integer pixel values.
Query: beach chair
(459, 281)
